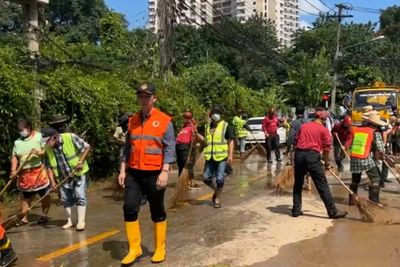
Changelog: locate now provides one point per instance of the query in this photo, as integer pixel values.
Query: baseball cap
(148, 88)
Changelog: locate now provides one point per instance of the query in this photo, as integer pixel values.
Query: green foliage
(310, 79)
(390, 22)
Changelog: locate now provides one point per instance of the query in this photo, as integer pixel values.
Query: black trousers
(272, 143)
(373, 175)
(137, 184)
(310, 161)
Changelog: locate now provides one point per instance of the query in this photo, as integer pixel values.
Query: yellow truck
(384, 99)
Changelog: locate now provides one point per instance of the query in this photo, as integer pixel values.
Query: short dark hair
(300, 110)
(49, 132)
(26, 123)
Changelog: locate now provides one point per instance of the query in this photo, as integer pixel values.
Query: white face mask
(216, 117)
(24, 133)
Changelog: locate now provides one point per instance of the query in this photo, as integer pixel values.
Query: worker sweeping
(145, 166)
(218, 152)
(239, 124)
(66, 155)
(7, 254)
(366, 142)
(313, 138)
(341, 134)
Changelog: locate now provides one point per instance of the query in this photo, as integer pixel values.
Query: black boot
(354, 188)
(337, 214)
(374, 193)
(7, 256)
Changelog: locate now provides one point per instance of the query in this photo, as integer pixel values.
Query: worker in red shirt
(312, 139)
(270, 127)
(342, 131)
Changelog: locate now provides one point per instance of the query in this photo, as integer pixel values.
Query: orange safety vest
(362, 141)
(147, 148)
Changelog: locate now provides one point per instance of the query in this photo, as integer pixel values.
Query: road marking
(78, 245)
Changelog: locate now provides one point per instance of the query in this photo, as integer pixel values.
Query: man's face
(271, 112)
(52, 141)
(145, 100)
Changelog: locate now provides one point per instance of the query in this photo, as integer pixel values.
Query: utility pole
(166, 17)
(30, 9)
(339, 17)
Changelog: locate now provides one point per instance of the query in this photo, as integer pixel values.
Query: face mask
(216, 117)
(24, 133)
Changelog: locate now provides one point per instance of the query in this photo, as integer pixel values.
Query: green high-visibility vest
(216, 144)
(239, 124)
(71, 155)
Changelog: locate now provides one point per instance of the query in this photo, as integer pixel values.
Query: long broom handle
(340, 181)
(18, 170)
(341, 146)
(392, 171)
(39, 200)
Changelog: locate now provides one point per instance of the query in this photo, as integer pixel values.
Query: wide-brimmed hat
(367, 109)
(373, 117)
(58, 118)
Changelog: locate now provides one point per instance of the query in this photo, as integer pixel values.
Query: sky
(135, 11)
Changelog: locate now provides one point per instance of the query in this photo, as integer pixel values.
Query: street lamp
(338, 54)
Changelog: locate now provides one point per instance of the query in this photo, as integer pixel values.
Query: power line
(322, 2)
(311, 4)
(305, 11)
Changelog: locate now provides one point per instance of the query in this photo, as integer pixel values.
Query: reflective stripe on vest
(70, 153)
(216, 144)
(146, 139)
(362, 141)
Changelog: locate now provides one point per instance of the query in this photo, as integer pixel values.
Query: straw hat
(374, 118)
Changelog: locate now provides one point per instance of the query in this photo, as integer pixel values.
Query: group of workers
(56, 159)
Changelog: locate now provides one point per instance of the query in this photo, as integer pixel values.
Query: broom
(17, 172)
(260, 148)
(13, 220)
(391, 170)
(371, 211)
(341, 146)
(284, 179)
(182, 187)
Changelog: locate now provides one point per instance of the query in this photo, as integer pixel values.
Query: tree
(390, 22)
(310, 79)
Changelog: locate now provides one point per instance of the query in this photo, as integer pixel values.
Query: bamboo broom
(13, 220)
(182, 187)
(371, 211)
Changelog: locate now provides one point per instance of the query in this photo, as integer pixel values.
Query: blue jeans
(214, 169)
(75, 194)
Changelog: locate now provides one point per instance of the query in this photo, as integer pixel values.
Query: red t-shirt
(313, 136)
(270, 125)
(185, 135)
(343, 133)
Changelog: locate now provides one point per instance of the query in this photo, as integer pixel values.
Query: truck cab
(384, 99)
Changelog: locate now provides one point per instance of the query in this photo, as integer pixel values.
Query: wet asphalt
(196, 228)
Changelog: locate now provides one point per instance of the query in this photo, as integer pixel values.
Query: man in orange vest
(365, 140)
(145, 164)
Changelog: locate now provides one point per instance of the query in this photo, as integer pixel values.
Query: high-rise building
(192, 12)
(283, 13)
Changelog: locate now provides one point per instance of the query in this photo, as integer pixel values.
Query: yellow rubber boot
(160, 235)
(135, 250)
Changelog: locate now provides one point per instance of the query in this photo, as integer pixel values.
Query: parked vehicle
(256, 133)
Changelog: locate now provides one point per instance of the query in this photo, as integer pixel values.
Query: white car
(256, 133)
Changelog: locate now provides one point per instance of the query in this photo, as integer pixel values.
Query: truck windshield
(379, 99)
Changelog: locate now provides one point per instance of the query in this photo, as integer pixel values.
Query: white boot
(81, 210)
(69, 220)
